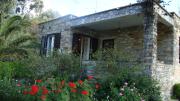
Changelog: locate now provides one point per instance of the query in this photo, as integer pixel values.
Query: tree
(6, 7)
(14, 38)
(43, 17)
(24, 7)
(21, 7)
(46, 16)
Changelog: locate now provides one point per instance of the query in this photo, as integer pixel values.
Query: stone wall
(56, 25)
(66, 41)
(176, 76)
(163, 73)
(131, 42)
(127, 40)
(164, 70)
(165, 47)
(167, 69)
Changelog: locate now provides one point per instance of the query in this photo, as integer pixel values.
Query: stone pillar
(175, 41)
(86, 48)
(150, 37)
(66, 41)
(176, 33)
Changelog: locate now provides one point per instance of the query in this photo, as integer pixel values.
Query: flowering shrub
(127, 93)
(113, 92)
(120, 67)
(56, 90)
(106, 84)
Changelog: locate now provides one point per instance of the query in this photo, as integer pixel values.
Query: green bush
(144, 85)
(67, 65)
(6, 70)
(110, 73)
(120, 68)
(176, 91)
(33, 67)
(9, 90)
(39, 67)
(21, 70)
(16, 69)
(36, 66)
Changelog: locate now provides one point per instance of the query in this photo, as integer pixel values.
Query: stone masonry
(146, 30)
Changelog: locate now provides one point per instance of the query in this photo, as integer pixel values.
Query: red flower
(84, 92)
(73, 90)
(72, 85)
(34, 90)
(97, 86)
(45, 91)
(25, 92)
(80, 82)
(31, 93)
(89, 77)
(43, 97)
(39, 81)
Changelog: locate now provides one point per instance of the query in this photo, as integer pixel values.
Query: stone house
(152, 36)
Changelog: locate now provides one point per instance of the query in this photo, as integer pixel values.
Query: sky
(85, 7)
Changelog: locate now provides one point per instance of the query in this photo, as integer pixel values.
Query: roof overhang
(123, 17)
(127, 16)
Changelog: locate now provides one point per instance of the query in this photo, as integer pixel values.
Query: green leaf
(21, 40)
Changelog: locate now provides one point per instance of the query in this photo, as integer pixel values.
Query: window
(93, 46)
(108, 44)
(84, 46)
(49, 43)
(76, 44)
(81, 46)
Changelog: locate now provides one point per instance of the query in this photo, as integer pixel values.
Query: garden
(26, 75)
(62, 78)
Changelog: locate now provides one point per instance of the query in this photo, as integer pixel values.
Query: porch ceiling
(120, 22)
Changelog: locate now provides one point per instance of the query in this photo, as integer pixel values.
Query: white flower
(126, 83)
(122, 89)
(121, 94)
(142, 99)
(107, 97)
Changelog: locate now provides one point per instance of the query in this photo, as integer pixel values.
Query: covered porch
(125, 33)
